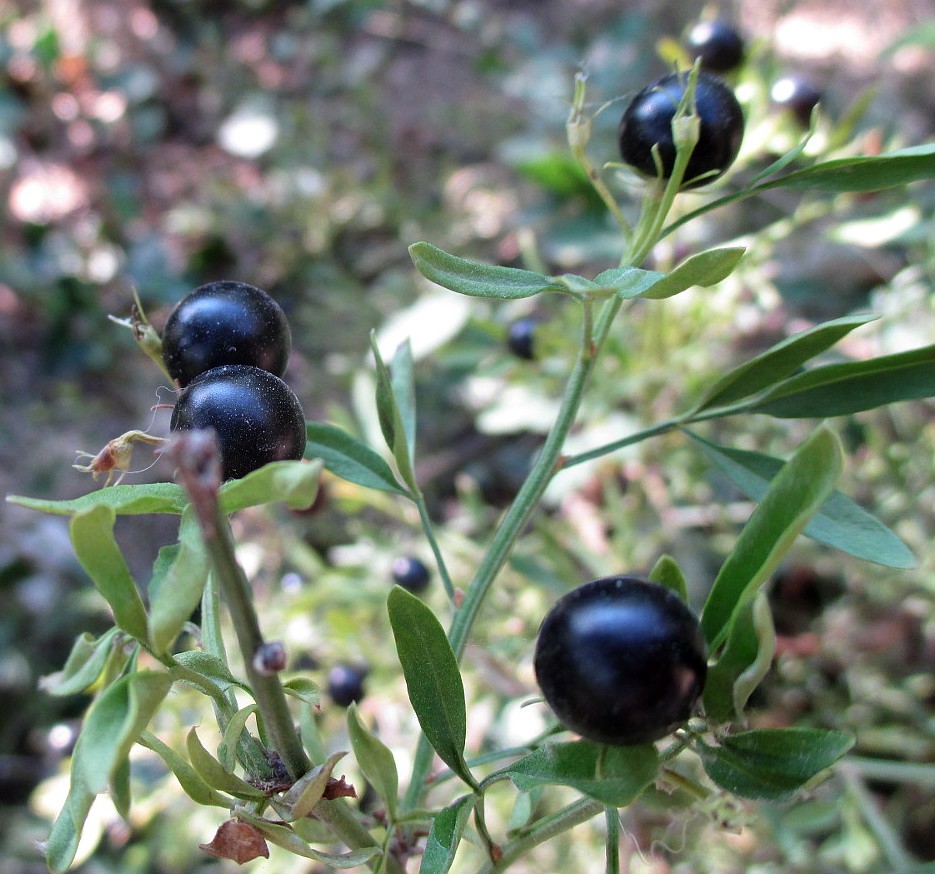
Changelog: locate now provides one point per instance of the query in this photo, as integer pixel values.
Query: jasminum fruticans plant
(273, 782)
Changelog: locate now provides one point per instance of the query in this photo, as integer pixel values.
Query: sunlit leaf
(375, 760)
(84, 665)
(123, 500)
(193, 786)
(348, 458)
(92, 535)
(293, 482)
(215, 774)
(794, 496)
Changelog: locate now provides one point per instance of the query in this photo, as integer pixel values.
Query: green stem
(544, 830)
(344, 823)
(429, 531)
(916, 773)
(612, 846)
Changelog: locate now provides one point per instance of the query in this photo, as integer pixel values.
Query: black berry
(797, 95)
(521, 338)
(410, 573)
(647, 121)
(255, 415)
(346, 684)
(621, 660)
(717, 44)
(225, 323)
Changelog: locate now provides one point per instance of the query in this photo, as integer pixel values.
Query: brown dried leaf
(238, 841)
(339, 789)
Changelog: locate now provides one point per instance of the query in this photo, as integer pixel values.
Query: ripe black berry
(797, 95)
(621, 660)
(647, 121)
(225, 323)
(521, 338)
(346, 684)
(410, 573)
(717, 44)
(255, 415)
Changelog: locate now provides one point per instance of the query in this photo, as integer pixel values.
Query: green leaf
(667, 572)
(704, 269)
(348, 458)
(236, 736)
(375, 760)
(628, 282)
(179, 591)
(624, 771)
(284, 836)
(403, 383)
(478, 280)
(123, 500)
(872, 173)
(432, 678)
(92, 534)
(391, 418)
(746, 659)
(307, 791)
(304, 689)
(215, 774)
(112, 725)
(773, 763)
(211, 668)
(294, 482)
(778, 362)
(84, 665)
(794, 496)
(119, 791)
(193, 786)
(851, 386)
(447, 829)
(839, 522)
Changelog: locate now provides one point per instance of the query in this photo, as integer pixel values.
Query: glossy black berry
(647, 121)
(521, 336)
(225, 323)
(716, 44)
(621, 660)
(410, 573)
(797, 95)
(346, 684)
(255, 415)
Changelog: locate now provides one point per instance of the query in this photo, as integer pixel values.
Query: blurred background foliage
(158, 144)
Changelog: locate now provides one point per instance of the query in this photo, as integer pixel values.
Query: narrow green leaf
(123, 500)
(193, 786)
(746, 659)
(794, 496)
(391, 420)
(432, 678)
(773, 763)
(403, 382)
(113, 724)
(872, 173)
(624, 772)
(777, 362)
(178, 593)
(215, 774)
(704, 269)
(852, 386)
(119, 790)
(284, 836)
(477, 280)
(667, 572)
(84, 665)
(92, 534)
(839, 522)
(447, 829)
(236, 736)
(293, 482)
(348, 458)
(307, 791)
(375, 760)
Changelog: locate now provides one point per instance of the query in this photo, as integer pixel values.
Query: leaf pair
(510, 283)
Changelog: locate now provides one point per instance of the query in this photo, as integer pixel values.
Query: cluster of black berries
(226, 345)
